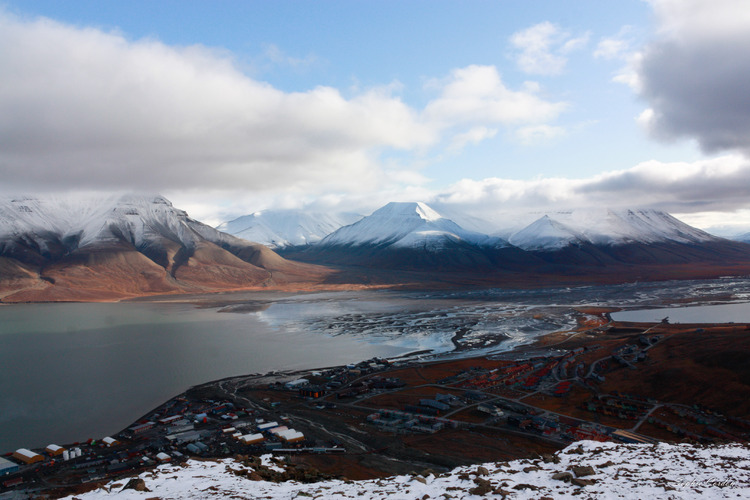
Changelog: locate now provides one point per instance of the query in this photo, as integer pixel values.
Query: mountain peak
(408, 209)
(287, 228)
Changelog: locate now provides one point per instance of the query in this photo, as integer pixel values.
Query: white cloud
(616, 47)
(79, 107)
(538, 134)
(277, 56)
(473, 136)
(87, 109)
(718, 184)
(702, 192)
(543, 48)
(477, 95)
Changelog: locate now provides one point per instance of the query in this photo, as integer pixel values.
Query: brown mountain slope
(118, 270)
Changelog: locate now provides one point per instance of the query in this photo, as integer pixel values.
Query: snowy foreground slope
(585, 469)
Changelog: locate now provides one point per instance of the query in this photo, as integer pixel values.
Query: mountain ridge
(118, 246)
(62, 248)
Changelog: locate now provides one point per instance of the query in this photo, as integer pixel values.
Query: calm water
(75, 371)
(721, 313)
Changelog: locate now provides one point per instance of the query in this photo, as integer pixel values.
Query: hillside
(586, 468)
(110, 247)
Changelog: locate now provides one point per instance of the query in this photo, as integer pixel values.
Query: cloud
(704, 192)
(277, 56)
(477, 95)
(537, 134)
(83, 108)
(616, 47)
(718, 184)
(543, 48)
(694, 74)
(473, 136)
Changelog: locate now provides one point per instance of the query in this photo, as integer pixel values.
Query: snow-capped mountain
(557, 230)
(285, 228)
(415, 236)
(406, 225)
(83, 221)
(585, 469)
(412, 236)
(98, 247)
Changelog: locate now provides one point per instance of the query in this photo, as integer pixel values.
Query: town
(379, 417)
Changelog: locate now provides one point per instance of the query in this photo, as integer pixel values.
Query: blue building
(7, 467)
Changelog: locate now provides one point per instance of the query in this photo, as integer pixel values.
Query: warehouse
(291, 436)
(267, 426)
(252, 438)
(7, 467)
(137, 429)
(109, 441)
(27, 456)
(54, 450)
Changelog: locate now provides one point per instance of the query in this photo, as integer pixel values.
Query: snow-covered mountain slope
(743, 237)
(87, 220)
(284, 228)
(607, 227)
(105, 247)
(407, 225)
(545, 233)
(585, 469)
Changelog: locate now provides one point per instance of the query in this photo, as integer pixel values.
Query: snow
(619, 471)
(95, 219)
(603, 226)
(406, 225)
(283, 228)
(417, 225)
(545, 233)
(84, 220)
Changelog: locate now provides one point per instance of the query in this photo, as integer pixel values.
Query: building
(312, 392)
(27, 456)
(7, 467)
(296, 384)
(137, 429)
(54, 450)
(109, 441)
(173, 420)
(267, 426)
(277, 430)
(252, 438)
(291, 436)
(163, 457)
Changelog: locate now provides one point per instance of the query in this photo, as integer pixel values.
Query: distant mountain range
(415, 236)
(57, 248)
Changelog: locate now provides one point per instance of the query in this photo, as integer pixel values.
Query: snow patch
(600, 470)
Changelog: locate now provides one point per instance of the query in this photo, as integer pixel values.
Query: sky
(486, 107)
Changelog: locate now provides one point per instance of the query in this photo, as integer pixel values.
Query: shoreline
(337, 416)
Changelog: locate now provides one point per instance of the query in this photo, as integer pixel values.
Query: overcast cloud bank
(81, 108)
